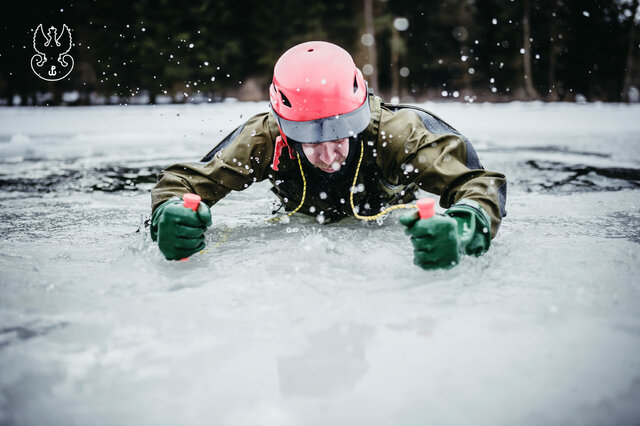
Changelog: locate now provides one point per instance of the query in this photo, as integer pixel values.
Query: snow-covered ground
(306, 324)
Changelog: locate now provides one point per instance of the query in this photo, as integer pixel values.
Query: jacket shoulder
(260, 129)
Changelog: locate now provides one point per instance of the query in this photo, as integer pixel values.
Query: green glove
(438, 242)
(179, 230)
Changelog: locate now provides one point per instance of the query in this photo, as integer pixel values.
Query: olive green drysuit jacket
(404, 148)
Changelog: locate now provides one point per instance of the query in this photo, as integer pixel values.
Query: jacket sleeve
(444, 164)
(245, 159)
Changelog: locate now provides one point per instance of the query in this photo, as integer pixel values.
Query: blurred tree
(593, 58)
(398, 48)
(630, 14)
(370, 40)
(468, 49)
(526, 50)
(552, 51)
(432, 53)
(498, 51)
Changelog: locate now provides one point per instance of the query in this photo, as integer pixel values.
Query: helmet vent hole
(285, 101)
(355, 83)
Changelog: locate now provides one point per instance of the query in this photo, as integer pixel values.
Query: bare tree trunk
(373, 57)
(628, 74)
(395, 62)
(552, 82)
(528, 75)
(465, 19)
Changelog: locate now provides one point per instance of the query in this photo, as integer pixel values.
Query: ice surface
(299, 323)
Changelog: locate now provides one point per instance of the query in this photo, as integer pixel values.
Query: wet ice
(331, 323)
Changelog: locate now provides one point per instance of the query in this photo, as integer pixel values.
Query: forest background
(161, 51)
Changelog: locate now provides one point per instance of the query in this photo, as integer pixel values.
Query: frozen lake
(306, 324)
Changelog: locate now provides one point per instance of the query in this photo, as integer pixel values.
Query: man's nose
(327, 153)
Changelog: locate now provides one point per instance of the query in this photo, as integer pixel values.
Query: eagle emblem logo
(52, 61)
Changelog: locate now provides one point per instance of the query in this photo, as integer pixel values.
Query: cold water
(302, 323)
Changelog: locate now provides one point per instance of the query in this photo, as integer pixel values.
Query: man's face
(327, 156)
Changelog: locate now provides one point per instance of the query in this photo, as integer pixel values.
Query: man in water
(333, 149)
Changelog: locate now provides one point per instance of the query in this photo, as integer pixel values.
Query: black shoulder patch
(438, 126)
(223, 143)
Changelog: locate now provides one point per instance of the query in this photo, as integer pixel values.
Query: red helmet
(318, 94)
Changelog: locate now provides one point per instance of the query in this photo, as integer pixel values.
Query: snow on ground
(306, 324)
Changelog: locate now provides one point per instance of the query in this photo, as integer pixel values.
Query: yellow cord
(227, 230)
(383, 212)
(353, 187)
(304, 194)
(223, 239)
